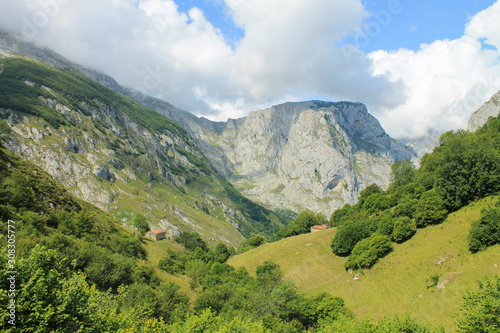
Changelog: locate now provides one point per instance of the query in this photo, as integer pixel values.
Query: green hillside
(399, 283)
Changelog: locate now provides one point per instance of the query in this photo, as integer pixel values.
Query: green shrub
(485, 231)
(404, 229)
(348, 236)
(367, 252)
(385, 223)
(141, 224)
(481, 309)
(376, 203)
(430, 209)
(340, 216)
(406, 208)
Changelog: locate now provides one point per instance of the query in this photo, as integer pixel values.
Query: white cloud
(446, 81)
(289, 52)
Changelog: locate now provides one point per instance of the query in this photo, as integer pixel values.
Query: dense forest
(78, 270)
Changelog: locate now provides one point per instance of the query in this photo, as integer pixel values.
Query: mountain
(108, 150)
(424, 144)
(294, 156)
(481, 115)
(308, 155)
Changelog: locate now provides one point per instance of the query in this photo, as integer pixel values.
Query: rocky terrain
(309, 155)
(481, 115)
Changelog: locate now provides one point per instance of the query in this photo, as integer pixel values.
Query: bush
(348, 236)
(480, 313)
(302, 224)
(402, 173)
(367, 252)
(251, 243)
(141, 224)
(404, 229)
(384, 222)
(376, 203)
(340, 216)
(485, 231)
(406, 208)
(430, 209)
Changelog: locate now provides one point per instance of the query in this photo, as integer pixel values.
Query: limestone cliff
(315, 155)
(481, 115)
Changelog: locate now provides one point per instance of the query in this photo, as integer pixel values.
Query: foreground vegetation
(79, 271)
(465, 167)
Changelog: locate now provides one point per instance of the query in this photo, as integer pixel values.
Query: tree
(141, 224)
(341, 215)
(305, 220)
(481, 309)
(404, 228)
(402, 173)
(385, 223)
(368, 191)
(251, 243)
(348, 236)
(467, 165)
(376, 203)
(221, 253)
(430, 209)
(367, 252)
(485, 231)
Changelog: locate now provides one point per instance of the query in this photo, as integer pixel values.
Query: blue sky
(423, 21)
(419, 21)
(416, 64)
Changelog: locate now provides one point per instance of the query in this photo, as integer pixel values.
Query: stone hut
(157, 234)
(321, 227)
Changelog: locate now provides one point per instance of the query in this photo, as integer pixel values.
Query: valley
(414, 223)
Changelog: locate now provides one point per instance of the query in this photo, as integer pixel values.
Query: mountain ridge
(276, 183)
(124, 158)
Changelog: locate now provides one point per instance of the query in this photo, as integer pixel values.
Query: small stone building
(321, 227)
(157, 234)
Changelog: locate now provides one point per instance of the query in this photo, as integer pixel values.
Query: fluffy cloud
(290, 51)
(446, 81)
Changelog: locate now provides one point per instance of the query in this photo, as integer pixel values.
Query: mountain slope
(308, 155)
(314, 155)
(401, 282)
(489, 109)
(123, 157)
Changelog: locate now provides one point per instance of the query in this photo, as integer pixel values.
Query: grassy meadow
(408, 280)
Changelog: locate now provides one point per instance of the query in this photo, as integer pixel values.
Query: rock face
(315, 155)
(481, 115)
(309, 155)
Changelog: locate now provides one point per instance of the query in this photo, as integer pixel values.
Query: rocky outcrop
(481, 115)
(315, 155)
(309, 155)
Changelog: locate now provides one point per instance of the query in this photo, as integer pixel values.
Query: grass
(399, 283)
